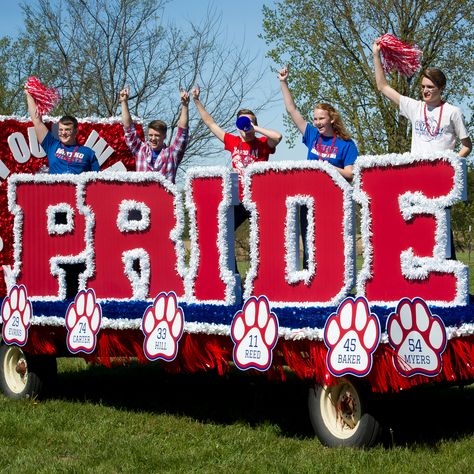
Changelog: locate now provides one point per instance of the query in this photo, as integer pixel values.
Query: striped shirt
(168, 158)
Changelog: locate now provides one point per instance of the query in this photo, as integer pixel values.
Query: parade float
(96, 266)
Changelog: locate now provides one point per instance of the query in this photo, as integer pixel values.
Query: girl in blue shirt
(326, 138)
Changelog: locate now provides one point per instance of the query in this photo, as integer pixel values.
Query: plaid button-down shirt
(168, 158)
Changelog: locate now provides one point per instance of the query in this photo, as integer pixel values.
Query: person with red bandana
(435, 124)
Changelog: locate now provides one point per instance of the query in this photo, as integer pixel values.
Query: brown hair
(158, 126)
(68, 120)
(247, 112)
(436, 76)
(336, 120)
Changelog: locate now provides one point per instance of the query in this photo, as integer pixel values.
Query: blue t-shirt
(343, 153)
(72, 159)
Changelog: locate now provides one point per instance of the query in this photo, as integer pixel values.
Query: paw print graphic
(351, 335)
(418, 337)
(83, 320)
(163, 325)
(16, 316)
(254, 331)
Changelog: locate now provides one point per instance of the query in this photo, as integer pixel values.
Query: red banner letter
(273, 195)
(404, 251)
(134, 253)
(209, 198)
(48, 232)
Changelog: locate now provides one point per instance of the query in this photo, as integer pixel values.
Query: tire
(339, 416)
(22, 376)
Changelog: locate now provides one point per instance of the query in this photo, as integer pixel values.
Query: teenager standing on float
(64, 154)
(327, 139)
(435, 124)
(154, 155)
(245, 149)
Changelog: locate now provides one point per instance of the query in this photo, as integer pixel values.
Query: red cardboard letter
(48, 232)
(404, 208)
(331, 207)
(209, 200)
(134, 254)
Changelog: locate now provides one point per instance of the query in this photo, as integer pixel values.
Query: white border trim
(124, 224)
(293, 274)
(60, 229)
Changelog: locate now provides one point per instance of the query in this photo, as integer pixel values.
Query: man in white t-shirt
(435, 124)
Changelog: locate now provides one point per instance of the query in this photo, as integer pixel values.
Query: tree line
(91, 49)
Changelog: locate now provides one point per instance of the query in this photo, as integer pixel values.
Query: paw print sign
(254, 331)
(83, 320)
(351, 335)
(163, 325)
(16, 316)
(418, 338)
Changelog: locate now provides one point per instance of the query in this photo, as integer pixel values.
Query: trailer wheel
(22, 376)
(339, 416)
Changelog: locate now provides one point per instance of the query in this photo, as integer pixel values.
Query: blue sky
(240, 19)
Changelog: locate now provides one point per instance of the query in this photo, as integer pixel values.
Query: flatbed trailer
(95, 266)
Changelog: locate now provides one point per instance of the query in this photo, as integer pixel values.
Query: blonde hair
(336, 120)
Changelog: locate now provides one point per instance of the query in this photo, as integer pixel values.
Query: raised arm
(40, 128)
(206, 117)
(126, 117)
(184, 115)
(274, 137)
(290, 105)
(380, 79)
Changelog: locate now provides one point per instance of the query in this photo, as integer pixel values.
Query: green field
(141, 419)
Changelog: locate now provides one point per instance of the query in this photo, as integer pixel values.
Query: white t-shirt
(452, 125)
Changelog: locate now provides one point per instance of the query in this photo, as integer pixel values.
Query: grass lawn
(141, 419)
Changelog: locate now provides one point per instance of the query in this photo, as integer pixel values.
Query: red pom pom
(45, 98)
(396, 54)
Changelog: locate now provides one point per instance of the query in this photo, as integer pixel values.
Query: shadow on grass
(205, 396)
(425, 415)
(428, 414)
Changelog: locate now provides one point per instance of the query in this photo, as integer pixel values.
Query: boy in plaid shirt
(154, 155)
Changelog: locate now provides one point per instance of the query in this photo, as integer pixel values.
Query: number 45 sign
(351, 334)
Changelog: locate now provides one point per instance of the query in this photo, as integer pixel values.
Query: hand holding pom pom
(396, 54)
(45, 98)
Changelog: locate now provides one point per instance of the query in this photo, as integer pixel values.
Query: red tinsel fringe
(396, 54)
(306, 359)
